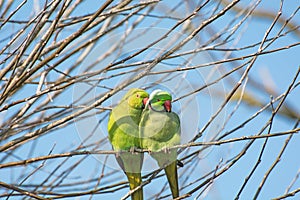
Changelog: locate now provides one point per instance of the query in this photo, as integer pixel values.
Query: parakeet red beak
(145, 102)
(168, 105)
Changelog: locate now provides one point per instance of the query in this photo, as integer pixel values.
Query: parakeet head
(135, 98)
(160, 101)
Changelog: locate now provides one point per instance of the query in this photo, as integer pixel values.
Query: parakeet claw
(166, 150)
(132, 150)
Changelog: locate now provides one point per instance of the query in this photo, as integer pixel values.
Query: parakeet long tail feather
(171, 172)
(133, 175)
(135, 180)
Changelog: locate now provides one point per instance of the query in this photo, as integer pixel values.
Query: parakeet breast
(160, 126)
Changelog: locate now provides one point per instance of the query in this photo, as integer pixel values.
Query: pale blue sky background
(194, 112)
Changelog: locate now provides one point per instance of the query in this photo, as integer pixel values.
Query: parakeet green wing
(160, 130)
(123, 129)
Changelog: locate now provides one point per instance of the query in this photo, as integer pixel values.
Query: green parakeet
(160, 130)
(123, 129)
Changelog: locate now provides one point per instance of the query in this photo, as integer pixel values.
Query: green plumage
(123, 129)
(160, 130)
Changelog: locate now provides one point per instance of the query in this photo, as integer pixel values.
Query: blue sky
(275, 69)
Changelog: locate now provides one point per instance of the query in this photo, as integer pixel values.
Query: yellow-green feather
(124, 135)
(171, 173)
(160, 130)
(135, 180)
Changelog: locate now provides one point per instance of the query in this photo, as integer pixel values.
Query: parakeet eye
(158, 99)
(137, 95)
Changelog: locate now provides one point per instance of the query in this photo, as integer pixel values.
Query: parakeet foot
(166, 150)
(131, 150)
(149, 151)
